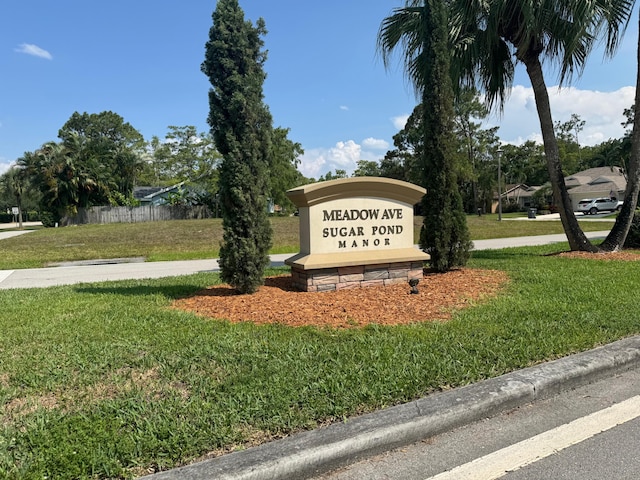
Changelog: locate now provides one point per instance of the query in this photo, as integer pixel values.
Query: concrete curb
(311, 453)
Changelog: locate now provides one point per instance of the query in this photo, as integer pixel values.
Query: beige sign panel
(356, 221)
(359, 224)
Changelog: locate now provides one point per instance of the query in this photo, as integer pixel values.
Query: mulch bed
(439, 294)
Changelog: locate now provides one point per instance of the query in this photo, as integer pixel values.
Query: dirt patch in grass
(22, 406)
(117, 384)
(440, 294)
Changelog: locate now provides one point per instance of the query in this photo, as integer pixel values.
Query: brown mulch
(625, 255)
(439, 295)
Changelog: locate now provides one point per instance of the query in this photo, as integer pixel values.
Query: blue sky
(141, 59)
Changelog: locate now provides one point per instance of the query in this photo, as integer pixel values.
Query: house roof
(598, 189)
(597, 180)
(521, 190)
(141, 192)
(148, 193)
(591, 174)
(576, 180)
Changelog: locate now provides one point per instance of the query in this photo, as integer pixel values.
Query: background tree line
(99, 159)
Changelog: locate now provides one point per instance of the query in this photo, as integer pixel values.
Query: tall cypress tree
(444, 234)
(241, 127)
(422, 29)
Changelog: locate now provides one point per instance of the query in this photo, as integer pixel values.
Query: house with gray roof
(521, 194)
(158, 195)
(595, 183)
(591, 183)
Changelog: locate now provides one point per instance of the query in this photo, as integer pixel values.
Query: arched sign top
(344, 188)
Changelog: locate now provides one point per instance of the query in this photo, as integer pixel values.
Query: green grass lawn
(195, 239)
(106, 381)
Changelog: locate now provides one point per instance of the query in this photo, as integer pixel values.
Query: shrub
(49, 218)
(511, 206)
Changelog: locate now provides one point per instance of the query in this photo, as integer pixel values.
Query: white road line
(514, 457)
(4, 274)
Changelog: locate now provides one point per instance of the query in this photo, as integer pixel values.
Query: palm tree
(15, 185)
(490, 38)
(51, 169)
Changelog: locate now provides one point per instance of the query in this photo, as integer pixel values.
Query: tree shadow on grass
(172, 292)
(282, 282)
(177, 290)
(520, 252)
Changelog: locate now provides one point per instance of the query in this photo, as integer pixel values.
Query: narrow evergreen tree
(422, 29)
(241, 127)
(444, 234)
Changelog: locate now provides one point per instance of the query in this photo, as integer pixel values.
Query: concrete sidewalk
(114, 269)
(8, 230)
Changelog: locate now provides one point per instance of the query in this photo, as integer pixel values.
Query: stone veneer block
(377, 273)
(418, 273)
(399, 273)
(373, 283)
(357, 269)
(355, 277)
(400, 266)
(324, 279)
(326, 288)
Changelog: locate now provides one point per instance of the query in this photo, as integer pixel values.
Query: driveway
(600, 217)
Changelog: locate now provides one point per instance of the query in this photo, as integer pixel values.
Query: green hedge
(26, 217)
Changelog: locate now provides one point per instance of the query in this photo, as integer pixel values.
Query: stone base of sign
(358, 276)
(337, 271)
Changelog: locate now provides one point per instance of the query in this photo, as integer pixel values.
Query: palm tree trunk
(19, 215)
(577, 239)
(618, 234)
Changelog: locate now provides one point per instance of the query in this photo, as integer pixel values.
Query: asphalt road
(532, 442)
(122, 269)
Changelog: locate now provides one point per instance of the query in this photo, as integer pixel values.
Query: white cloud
(344, 108)
(318, 161)
(312, 163)
(343, 156)
(602, 112)
(36, 51)
(375, 144)
(4, 166)
(400, 121)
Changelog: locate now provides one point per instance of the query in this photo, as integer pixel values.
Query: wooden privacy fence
(147, 213)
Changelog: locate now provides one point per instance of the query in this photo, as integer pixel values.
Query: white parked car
(596, 205)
